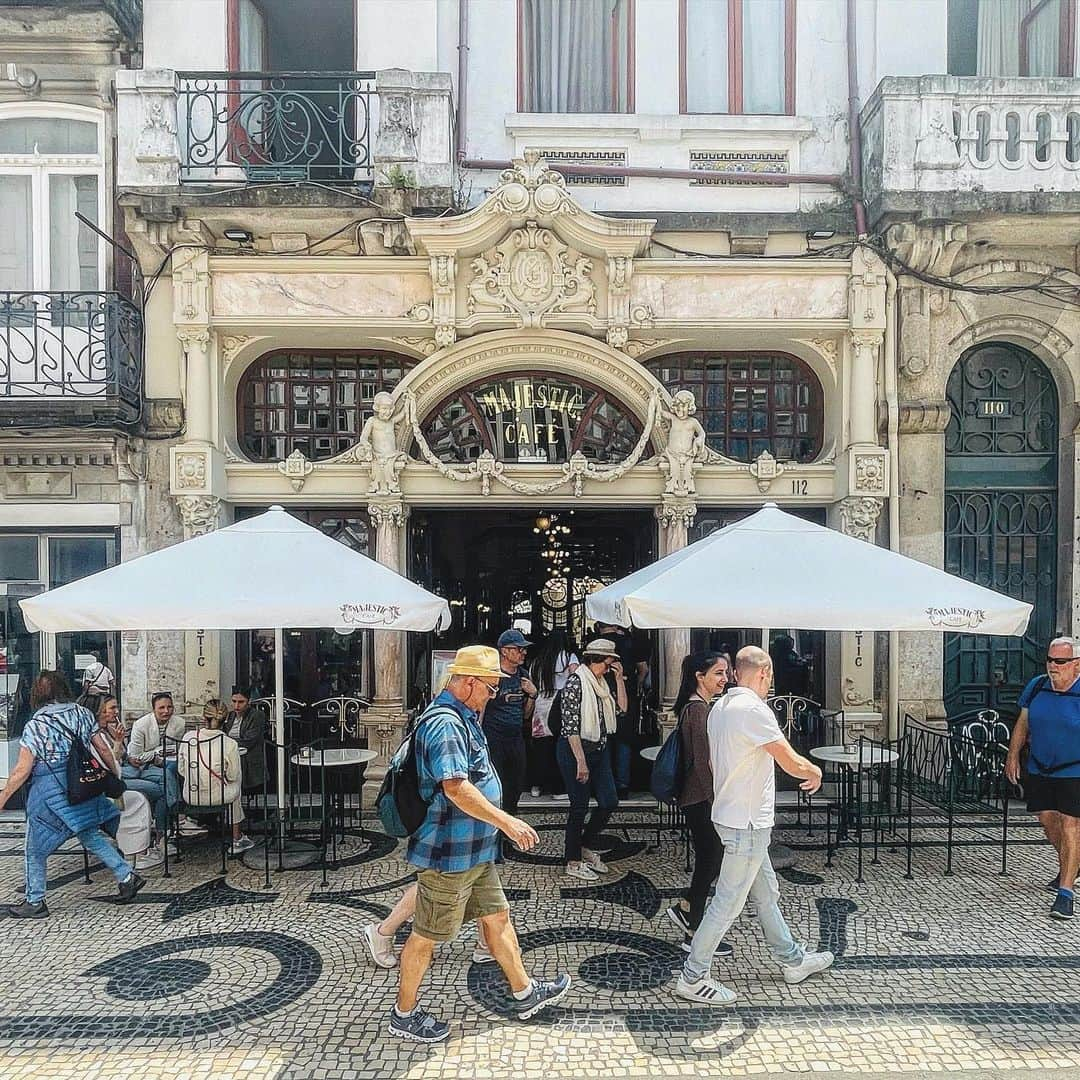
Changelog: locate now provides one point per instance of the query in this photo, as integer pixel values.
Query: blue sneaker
(543, 994)
(1062, 907)
(419, 1026)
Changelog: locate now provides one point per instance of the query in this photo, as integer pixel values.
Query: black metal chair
(210, 783)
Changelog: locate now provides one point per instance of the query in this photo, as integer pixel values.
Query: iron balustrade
(58, 348)
(275, 126)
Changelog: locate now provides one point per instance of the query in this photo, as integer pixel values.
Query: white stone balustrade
(942, 133)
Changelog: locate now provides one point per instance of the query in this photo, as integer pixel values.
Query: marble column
(388, 710)
(674, 516)
(202, 648)
(858, 516)
(198, 384)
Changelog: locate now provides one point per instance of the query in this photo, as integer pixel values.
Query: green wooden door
(1001, 515)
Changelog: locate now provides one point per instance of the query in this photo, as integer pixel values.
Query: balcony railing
(972, 137)
(69, 357)
(256, 125)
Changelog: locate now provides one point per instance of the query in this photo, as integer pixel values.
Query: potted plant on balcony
(400, 195)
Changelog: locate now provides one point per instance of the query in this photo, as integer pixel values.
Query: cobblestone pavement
(213, 978)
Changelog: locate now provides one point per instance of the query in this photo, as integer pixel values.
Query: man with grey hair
(1049, 723)
(744, 742)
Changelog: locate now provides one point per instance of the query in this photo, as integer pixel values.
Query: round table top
(850, 755)
(649, 753)
(317, 757)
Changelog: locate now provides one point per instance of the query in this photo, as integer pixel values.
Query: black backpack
(85, 776)
(401, 807)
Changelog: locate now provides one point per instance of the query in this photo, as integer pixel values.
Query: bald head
(754, 670)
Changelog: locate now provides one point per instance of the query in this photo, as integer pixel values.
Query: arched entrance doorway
(1001, 467)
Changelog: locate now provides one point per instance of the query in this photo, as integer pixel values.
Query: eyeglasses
(492, 690)
(1062, 659)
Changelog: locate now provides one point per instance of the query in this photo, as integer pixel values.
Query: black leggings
(708, 855)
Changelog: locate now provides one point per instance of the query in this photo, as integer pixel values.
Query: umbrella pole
(279, 724)
(780, 855)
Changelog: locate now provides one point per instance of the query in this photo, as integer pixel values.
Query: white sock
(521, 995)
(403, 1015)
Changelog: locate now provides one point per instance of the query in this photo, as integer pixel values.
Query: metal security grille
(316, 402)
(1001, 515)
(750, 402)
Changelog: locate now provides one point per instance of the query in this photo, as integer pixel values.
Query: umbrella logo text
(956, 618)
(369, 614)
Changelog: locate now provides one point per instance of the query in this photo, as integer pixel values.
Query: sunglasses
(1062, 659)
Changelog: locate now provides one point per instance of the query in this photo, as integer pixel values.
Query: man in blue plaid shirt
(454, 849)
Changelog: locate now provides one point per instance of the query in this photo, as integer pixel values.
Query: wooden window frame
(694, 361)
(258, 371)
(1066, 37)
(735, 61)
(631, 73)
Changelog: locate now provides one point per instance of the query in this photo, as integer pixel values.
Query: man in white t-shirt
(745, 742)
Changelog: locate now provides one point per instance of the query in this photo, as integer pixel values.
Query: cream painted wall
(184, 34)
(397, 33)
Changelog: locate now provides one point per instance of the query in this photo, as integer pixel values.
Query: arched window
(315, 402)
(530, 417)
(750, 402)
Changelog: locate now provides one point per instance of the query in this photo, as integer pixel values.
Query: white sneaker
(482, 955)
(705, 991)
(190, 827)
(534, 791)
(380, 949)
(561, 798)
(581, 871)
(812, 963)
(238, 847)
(593, 861)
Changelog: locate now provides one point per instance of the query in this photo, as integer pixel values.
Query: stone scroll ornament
(489, 471)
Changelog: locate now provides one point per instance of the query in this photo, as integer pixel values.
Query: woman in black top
(704, 677)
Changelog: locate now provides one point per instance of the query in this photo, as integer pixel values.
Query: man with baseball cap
(506, 716)
(454, 849)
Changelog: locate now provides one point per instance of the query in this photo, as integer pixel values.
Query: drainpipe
(462, 77)
(830, 180)
(893, 406)
(854, 123)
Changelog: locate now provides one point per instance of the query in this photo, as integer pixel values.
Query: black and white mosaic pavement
(222, 978)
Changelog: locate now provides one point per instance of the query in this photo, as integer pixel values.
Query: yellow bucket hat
(478, 660)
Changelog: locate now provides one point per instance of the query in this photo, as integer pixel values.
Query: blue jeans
(600, 783)
(160, 785)
(746, 871)
(95, 842)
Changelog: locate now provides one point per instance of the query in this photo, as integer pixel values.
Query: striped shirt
(449, 746)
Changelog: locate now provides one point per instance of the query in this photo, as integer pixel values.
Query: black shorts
(1060, 793)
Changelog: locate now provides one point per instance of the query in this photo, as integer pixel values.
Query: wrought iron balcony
(70, 358)
(264, 126)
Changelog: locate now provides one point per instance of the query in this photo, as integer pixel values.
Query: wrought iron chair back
(340, 719)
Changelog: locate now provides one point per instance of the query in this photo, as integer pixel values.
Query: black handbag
(85, 776)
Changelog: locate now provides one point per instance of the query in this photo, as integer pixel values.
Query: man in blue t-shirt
(1049, 722)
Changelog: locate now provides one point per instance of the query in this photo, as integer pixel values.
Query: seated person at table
(247, 725)
(210, 770)
(150, 767)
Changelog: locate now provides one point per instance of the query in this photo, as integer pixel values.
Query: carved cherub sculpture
(685, 445)
(379, 436)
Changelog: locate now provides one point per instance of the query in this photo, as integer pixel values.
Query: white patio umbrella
(271, 571)
(775, 569)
